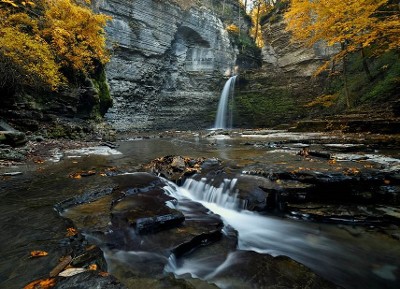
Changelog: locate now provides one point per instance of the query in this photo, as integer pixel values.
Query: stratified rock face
(167, 66)
(281, 54)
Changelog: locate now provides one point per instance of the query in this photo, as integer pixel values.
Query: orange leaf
(39, 254)
(102, 274)
(41, 284)
(71, 232)
(92, 267)
(75, 176)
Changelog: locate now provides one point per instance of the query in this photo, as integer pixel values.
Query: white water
(222, 113)
(328, 250)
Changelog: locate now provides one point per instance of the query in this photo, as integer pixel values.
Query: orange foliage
(354, 23)
(40, 38)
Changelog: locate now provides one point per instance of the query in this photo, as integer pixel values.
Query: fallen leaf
(35, 254)
(92, 267)
(104, 274)
(71, 272)
(41, 284)
(386, 182)
(71, 232)
(38, 161)
(75, 176)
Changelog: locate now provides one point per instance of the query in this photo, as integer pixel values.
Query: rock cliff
(278, 92)
(169, 62)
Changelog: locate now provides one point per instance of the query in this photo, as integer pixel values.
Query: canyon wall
(168, 65)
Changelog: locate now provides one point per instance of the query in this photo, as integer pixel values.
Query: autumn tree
(261, 7)
(26, 59)
(354, 24)
(43, 42)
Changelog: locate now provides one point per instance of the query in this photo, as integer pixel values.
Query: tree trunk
(365, 65)
(257, 21)
(346, 85)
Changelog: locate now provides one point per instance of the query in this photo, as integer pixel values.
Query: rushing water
(353, 260)
(223, 115)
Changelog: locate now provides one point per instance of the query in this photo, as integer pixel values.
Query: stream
(352, 254)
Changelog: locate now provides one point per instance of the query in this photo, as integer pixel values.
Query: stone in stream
(137, 215)
(145, 212)
(246, 269)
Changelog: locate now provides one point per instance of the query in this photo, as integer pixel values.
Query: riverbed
(353, 254)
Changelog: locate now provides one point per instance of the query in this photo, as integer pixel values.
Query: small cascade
(225, 195)
(223, 114)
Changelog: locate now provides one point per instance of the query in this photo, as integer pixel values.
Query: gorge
(148, 172)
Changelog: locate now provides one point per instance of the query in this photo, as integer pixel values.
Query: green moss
(264, 108)
(103, 90)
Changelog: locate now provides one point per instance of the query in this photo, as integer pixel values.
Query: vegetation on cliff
(47, 43)
(369, 28)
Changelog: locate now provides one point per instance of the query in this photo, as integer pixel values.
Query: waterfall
(222, 113)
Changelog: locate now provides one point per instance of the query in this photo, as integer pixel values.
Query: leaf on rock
(71, 272)
(41, 284)
(71, 232)
(35, 254)
(104, 274)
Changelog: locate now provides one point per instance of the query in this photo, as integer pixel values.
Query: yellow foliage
(260, 8)
(232, 28)
(26, 60)
(76, 34)
(325, 100)
(354, 23)
(40, 38)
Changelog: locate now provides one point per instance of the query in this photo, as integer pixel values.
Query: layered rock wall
(168, 64)
(278, 93)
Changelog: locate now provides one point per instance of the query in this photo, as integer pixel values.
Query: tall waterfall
(222, 113)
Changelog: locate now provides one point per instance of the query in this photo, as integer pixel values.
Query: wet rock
(14, 138)
(11, 174)
(11, 154)
(146, 213)
(138, 215)
(176, 168)
(245, 269)
(89, 279)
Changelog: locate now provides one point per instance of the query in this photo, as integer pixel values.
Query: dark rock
(247, 269)
(145, 212)
(175, 168)
(14, 138)
(89, 279)
(11, 154)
